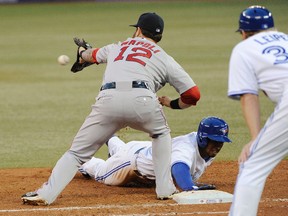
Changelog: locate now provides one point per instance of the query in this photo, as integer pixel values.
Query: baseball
(63, 59)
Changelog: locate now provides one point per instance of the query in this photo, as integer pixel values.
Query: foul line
(109, 206)
(128, 206)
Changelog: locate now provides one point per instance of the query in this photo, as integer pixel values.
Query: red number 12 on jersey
(135, 56)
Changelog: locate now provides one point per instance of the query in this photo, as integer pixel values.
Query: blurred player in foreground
(259, 62)
(132, 162)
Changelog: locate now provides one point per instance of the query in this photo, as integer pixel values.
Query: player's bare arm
(87, 55)
(187, 99)
(251, 112)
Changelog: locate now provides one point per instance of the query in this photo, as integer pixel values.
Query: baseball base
(203, 197)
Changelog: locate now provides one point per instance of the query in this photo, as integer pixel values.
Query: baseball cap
(150, 22)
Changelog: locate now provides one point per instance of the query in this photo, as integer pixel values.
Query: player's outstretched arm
(80, 62)
(181, 175)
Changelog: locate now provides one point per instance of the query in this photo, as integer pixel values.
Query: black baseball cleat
(32, 198)
(167, 197)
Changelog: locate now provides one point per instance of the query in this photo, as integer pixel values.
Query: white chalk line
(126, 206)
(109, 207)
(175, 213)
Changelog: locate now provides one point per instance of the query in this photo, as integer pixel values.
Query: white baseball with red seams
(63, 59)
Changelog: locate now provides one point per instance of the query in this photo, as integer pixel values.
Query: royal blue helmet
(255, 18)
(212, 128)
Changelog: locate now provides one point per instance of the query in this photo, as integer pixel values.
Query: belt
(135, 84)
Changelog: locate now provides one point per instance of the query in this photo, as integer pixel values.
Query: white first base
(203, 197)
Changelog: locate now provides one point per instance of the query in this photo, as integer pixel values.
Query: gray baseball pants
(114, 109)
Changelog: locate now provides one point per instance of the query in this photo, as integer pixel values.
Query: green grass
(43, 104)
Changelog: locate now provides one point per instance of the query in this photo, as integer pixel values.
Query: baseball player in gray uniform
(132, 162)
(136, 69)
(259, 62)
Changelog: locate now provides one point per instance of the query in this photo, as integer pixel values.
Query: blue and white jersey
(184, 149)
(259, 62)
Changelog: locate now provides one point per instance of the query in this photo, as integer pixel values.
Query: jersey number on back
(135, 56)
(279, 52)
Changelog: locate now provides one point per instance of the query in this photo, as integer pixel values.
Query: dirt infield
(87, 197)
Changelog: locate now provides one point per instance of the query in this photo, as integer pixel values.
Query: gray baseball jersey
(140, 59)
(260, 62)
(136, 69)
(133, 160)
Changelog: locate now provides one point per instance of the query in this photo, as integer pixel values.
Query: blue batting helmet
(212, 128)
(255, 18)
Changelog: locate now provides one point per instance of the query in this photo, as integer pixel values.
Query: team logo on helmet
(224, 130)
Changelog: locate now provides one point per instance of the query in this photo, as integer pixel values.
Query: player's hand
(80, 64)
(81, 61)
(245, 153)
(204, 186)
(164, 101)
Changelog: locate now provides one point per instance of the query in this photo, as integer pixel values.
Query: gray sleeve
(178, 77)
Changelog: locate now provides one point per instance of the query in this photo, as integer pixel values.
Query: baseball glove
(202, 186)
(77, 66)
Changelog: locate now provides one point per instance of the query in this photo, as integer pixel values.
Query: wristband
(174, 104)
(81, 52)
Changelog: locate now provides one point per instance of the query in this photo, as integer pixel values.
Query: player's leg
(150, 118)
(67, 166)
(115, 144)
(97, 128)
(247, 193)
(89, 168)
(161, 153)
(118, 170)
(269, 149)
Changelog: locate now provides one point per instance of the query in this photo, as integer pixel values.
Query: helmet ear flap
(202, 141)
(205, 142)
